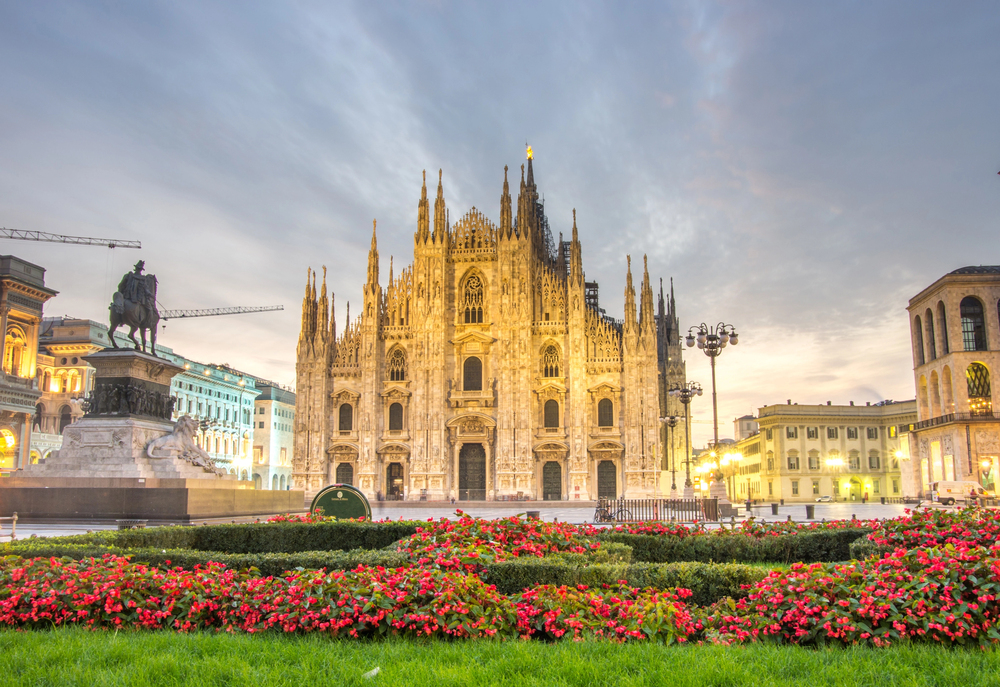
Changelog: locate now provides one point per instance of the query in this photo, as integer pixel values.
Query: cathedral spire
(629, 299)
(423, 214)
(646, 322)
(575, 257)
(505, 223)
(304, 333)
(440, 212)
(324, 310)
(373, 261)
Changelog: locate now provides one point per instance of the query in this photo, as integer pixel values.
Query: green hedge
(248, 538)
(709, 582)
(266, 563)
(807, 547)
(863, 548)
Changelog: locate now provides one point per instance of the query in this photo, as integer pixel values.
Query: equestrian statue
(134, 304)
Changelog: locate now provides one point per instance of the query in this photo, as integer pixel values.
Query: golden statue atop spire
(530, 154)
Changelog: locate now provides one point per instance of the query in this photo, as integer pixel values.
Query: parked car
(824, 499)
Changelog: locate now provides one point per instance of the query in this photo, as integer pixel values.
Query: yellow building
(487, 370)
(804, 452)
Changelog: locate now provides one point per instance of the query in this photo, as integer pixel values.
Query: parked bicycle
(611, 512)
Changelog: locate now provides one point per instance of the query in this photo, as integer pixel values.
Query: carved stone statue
(180, 444)
(134, 304)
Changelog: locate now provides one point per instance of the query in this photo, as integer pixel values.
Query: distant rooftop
(978, 269)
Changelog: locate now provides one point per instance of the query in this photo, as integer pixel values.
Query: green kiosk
(343, 502)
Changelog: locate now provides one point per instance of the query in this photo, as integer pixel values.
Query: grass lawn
(79, 657)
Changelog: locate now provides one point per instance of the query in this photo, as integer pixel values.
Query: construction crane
(177, 314)
(20, 235)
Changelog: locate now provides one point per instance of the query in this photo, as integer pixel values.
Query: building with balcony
(803, 452)
(22, 295)
(274, 439)
(955, 336)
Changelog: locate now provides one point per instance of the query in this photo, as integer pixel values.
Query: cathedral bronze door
(345, 474)
(394, 482)
(607, 487)
(552, 481)
(472, 473)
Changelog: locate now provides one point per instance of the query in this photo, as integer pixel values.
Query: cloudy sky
(799, 168)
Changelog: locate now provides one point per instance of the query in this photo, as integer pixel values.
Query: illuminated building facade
(273, 438)
(22, 295)
(955, 336)
(803, 452)
(487, 370)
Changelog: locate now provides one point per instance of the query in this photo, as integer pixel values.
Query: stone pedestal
(717, 490)
(103, 469)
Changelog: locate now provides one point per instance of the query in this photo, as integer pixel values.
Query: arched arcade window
(920, 339)
(973, 324)
(472, 374)
(980, 394)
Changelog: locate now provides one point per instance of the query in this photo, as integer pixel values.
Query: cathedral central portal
(487, 369)
(472, 473)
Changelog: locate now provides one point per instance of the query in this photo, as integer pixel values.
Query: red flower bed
(970, 526)
(114, 592)
(468, 543)
(944, 594)
(617, 613)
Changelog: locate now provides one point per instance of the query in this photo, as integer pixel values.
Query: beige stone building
(802, 452)
(487, 370)
(956, 357)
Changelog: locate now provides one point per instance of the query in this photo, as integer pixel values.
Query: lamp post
(712, 340)
(838, 464)
(671, 453)
(685, 393)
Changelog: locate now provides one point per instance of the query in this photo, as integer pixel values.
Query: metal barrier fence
(13, 526)
(664, 510)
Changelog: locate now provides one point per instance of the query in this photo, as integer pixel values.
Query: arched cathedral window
(605, 413)
(346, 417)
(396, 366)
(472, 374)
(550, 362)
(473, 300)
(551, 414)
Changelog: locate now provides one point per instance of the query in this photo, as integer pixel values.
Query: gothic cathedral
(487, 371)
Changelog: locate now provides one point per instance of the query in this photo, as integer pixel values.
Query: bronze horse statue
(134, 305)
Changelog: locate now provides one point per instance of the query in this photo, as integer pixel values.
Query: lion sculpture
(180, 444)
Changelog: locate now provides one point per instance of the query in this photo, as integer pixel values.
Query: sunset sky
(800, 169)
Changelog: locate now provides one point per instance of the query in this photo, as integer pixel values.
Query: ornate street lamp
(685, 393)
(671, 422)
(712, 340)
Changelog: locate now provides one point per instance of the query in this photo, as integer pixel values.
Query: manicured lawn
(79, 657)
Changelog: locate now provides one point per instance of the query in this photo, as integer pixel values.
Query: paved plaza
(548, 510)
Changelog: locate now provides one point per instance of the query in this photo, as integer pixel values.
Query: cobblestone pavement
(548, 510)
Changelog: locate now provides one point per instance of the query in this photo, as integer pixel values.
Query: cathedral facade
(487, 370)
